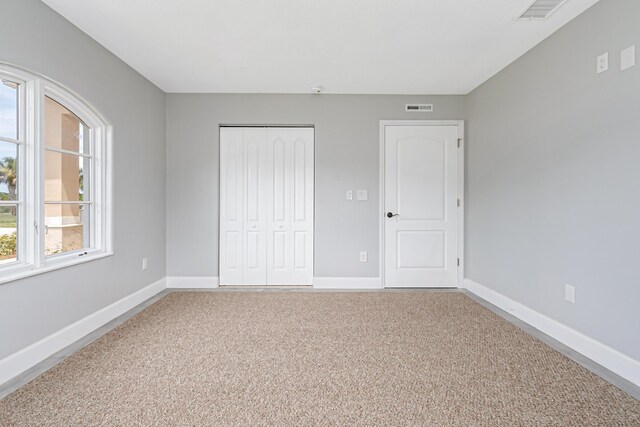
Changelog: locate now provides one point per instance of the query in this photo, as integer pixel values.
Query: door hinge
(458, 262)
(459, 142)
(458, 202)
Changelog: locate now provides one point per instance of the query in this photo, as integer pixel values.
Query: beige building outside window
(66, 173)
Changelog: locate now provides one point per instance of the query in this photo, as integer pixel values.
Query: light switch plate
(570, 294)
(349, 194)
(362, 195)
(602, 63)
(628, 58)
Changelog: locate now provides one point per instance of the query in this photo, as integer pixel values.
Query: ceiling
(289, 46)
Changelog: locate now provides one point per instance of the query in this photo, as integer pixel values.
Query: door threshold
(266, 287)
(417, 288)
(423, 288)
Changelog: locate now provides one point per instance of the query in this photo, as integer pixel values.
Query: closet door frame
(236, 279)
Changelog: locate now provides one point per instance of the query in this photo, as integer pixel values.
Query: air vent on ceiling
(541, 9)
(423, 108)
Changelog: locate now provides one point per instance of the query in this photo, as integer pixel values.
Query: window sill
(23, 272)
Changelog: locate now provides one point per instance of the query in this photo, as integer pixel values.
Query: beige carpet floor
(302, 358)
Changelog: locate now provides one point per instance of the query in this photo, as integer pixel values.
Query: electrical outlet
(144, 263)
(363, 256)
(602, 63)
(349, 194)
(570, 294)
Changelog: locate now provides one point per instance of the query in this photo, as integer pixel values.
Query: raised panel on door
(421, 172)
(231, 205)
(290, 222)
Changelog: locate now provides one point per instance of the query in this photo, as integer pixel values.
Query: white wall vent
(422, 108)
(541, 9)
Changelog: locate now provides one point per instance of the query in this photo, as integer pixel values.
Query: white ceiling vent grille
(422, 108)
(541, 9)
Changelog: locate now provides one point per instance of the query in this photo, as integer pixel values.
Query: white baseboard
(16, 363)
(192, 282)
(347, 283)
(600, 353)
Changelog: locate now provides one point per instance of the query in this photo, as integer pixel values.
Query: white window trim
(31, 177)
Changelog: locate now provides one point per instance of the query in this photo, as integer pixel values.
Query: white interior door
(266, 206)
(420, 200)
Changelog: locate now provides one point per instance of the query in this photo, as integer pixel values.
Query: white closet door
(231, 206)
(266, 206)
(290, 207)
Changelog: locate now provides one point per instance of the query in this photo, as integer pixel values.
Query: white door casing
(266, 206)
(421, 189)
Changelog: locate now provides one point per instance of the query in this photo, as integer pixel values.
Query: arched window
(54, 177)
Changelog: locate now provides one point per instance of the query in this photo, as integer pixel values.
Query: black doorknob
(391, 215)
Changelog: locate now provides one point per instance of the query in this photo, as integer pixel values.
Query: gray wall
(552, 178)
(35, 37)
(346, 158)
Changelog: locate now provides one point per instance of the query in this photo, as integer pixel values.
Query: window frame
(31, 177)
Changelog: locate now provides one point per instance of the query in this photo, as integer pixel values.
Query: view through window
(9, 148)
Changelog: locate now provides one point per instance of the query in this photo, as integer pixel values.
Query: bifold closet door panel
(290, 206)
(231, 206)
(257, 187)
(244, 186)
